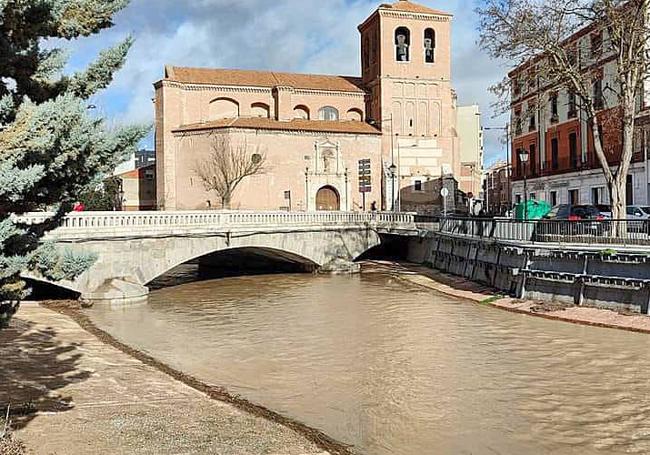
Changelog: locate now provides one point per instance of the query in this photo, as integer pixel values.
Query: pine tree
(51, 148)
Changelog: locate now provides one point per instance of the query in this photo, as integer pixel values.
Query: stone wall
(618, 280)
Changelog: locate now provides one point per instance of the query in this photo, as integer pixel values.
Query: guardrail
(102, 220)
(605, 232)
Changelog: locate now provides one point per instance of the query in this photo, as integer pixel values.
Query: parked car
(605, 210)
(580, 220)
(638, 217)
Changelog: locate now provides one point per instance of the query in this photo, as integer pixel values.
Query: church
(379, 141)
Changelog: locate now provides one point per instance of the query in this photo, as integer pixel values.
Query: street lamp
(393, 171)
(523, 157)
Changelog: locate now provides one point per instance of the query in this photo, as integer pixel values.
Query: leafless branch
(227, 165)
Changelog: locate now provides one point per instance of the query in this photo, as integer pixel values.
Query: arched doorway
(327, 198)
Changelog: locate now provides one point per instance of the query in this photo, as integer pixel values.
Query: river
(393, 368)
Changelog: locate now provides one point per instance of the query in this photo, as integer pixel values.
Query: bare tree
(545, 34)
(227, 165)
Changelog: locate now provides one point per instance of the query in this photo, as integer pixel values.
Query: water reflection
(395, 369)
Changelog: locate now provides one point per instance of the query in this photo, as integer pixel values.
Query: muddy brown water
(392, 368)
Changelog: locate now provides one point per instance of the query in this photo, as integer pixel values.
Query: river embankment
(475, 292)
(78, 390)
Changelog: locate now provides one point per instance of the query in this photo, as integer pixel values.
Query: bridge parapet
(144, 223)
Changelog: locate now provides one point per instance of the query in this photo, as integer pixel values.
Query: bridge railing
(600, 232)
(151, 219)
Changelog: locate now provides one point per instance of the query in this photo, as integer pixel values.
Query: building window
(574, 197)
(629, 190)
(149, 174)
(638, 102)
(417, 185)
(554, 111)
(532, 160)
(429, 45)
(402, 44)
(221, 108)
(532, 196)
(518, 128)
(531, 84)
(328, 113)
(598, 94)
(531, 122)
(518, 198)
(260, 110)
(554, 154)
(572, 55)
(573, 112)
(553, 198)
(301, 112)
(573, 150)
(598, 195)
(516, 86)
(596, 45)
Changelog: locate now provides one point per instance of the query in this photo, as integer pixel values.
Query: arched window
(223, 108)
(354, 114)
(328, 113)
(402, 44)
(429, 45)
(260, 110)
(301, 112)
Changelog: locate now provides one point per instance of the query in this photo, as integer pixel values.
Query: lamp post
(393, 170)
(523, 157)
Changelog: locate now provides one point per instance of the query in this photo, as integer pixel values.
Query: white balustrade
(132, 222)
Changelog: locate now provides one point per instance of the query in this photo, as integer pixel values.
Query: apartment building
(498, 197)
(549, 123)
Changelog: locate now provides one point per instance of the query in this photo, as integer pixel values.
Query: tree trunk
(617, 191)
(225, 201)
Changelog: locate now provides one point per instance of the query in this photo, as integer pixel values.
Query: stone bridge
(134, 248)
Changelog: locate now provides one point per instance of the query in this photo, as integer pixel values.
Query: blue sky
(315, 36)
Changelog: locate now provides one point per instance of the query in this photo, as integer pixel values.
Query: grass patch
(492, 299)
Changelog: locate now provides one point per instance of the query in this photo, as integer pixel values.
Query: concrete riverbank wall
(617, 279)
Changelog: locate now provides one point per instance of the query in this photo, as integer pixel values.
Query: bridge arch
(247, 260)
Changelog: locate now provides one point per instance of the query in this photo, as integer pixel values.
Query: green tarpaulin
(532, 210)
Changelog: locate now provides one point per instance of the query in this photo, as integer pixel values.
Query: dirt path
(93, 398)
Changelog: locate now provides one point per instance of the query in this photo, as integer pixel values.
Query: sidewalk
(94, 399)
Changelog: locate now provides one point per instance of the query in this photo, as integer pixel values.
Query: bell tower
(406, 69)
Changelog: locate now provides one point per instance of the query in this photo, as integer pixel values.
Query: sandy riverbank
(468, 290)
(93, 396)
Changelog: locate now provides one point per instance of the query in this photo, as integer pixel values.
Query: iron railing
(601, 232)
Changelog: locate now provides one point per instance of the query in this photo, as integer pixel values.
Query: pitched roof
(346, 126)
(268, 79)
(406, 5)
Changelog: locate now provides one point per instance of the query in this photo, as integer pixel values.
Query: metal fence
(605, 232)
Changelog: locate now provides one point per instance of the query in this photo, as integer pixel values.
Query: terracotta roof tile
(263, 79)
(347, 126)
(406, 5)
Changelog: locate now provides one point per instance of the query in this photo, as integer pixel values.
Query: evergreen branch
(100, 73)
